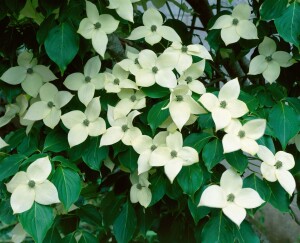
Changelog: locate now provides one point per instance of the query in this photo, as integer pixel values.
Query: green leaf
(155, 91)
(37, 221)
(272, 9)
(56, 141)
(197, 212)
(284, 122)
(6, 213)
(129, 159)
(43, 31)
(125, 224)
(90, 214)
(52, 236)
(158, 187)
(250, 100)
(62, 44)
(268, 142)
(279, 197)
(258, 185)
(68, 185)
(295, 103)
(65, 163)
(205, 121)
(245, 234)
(158, 3)
(70, 238)
(212, 153)
(197, 140)
(110, 206)
(190, 179)
(10, 165)
(288, 24)
(87, 237)
(156, 116)
(237, 160)
(29, 144)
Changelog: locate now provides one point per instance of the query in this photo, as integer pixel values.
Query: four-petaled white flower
(183, 54)
(144, 146)
(139, 191)
(237, 25)
(243, 136)
(32, 185)
(121, 129)
(2, 143)
(269, 61)
(85, 124)
(226, 106)
(155, 70)
(153, 30)
(30, 75)
(276, 167)
(173, 156)
(96, 27)
(49, 108)
(131, 63)
(123, 8)
(171, 127)
(88, 82)
(231, 197)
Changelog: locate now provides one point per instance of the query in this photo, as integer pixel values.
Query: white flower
(96, 27)
(30, 75)
(171, 127)
(226, 106)
(32, 185)
(85, 124)
(276, 167)
(155, 70)
(130, 100)
(153, 30)
(296, 140)
(182, 105)
(231, 197)
(236, 25)
(183, 54)
(130, 64)
(2, 143)
(88, 82)
(243, 136)
(121, 129)
(144, 146)
(173, 156)
(269, 61)
(18, 234)
(123, 8)
(49, 108)
(189, 77)
(139, 192)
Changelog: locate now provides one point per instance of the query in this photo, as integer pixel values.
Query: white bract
(296, 140)
(182, 105)
(96, 27)
(171, 127)
(269, 61)
(153, 30)
(183, 54)
(123, 8)
(49, 107)
(2, 143)
(144, 146)
(173, 156)
(226, 106)
(243, 136)
(237, 25)
(18, 234)
(139, 191)
(121, 129)
(85, 124)
(231, 197)
(88, 82)
(32, 186)
(276, 167)
(130, 64)
(30, 75)
(155, 70)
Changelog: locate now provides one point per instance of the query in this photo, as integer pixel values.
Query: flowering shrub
(127, 131)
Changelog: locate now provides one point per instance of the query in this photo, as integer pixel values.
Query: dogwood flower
(184, 54)
(182, 105)
(171, 127)
(18, 234)
(30, 75)
(243, 136)
(130, 64)
(155, 70)
(139, 191)
(121, 129)
(88, 82)
(2, 143)
(226, 106)
(173, 156)
(32, 185)
(96, 27)
(237, 25)
(189, 77)
(49, 107)
(130, 100)
(153, 30)
(269, 61)
(85, 124)
(276, 167)
(123, 8)
(144, 146)
(231, 197)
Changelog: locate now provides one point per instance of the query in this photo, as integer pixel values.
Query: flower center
(230, 197)
(153, 28)
(241, 134)
(117, 81)
(87, 79)
(133, 98)
(154, 69)
(179, 98)
(136, 61)
(223, 104)
(269, 58)
(278, 164)
(86, 122)
(30, 71)
(125, 128)
(139, 186)
(189, 79)
(153, 147)
(184, 49)
(31, 184)
(235, 21)
(173, 154)
(97, 25)
(50, 104)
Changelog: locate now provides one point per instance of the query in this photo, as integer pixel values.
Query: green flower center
(179, 98)
(86, 122)
(189, 79)
(50, 104)
(223, 104)
(269, 58)
(136, 61)
(87, 79)
(184, 49)
(30, 71)
(31, 184)
(117, 81)
(139, 186)
(97, 25)
(153, 28)
(230, 197)
(133, 98)
(153, 147)
(235, 21)
(278, 164)
(173, 154)
(241, 134)
(154, 69)
(125, 128)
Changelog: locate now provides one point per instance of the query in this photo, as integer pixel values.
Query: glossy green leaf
(212, 153)
(272, 9)
(10, 165)
(56, 141)
(197, 140)
(258, 185)
(279, 197)
(245, 234)
(158, 187)
(237, 160)
(156, 115)
(87, 237)
(129, 159)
